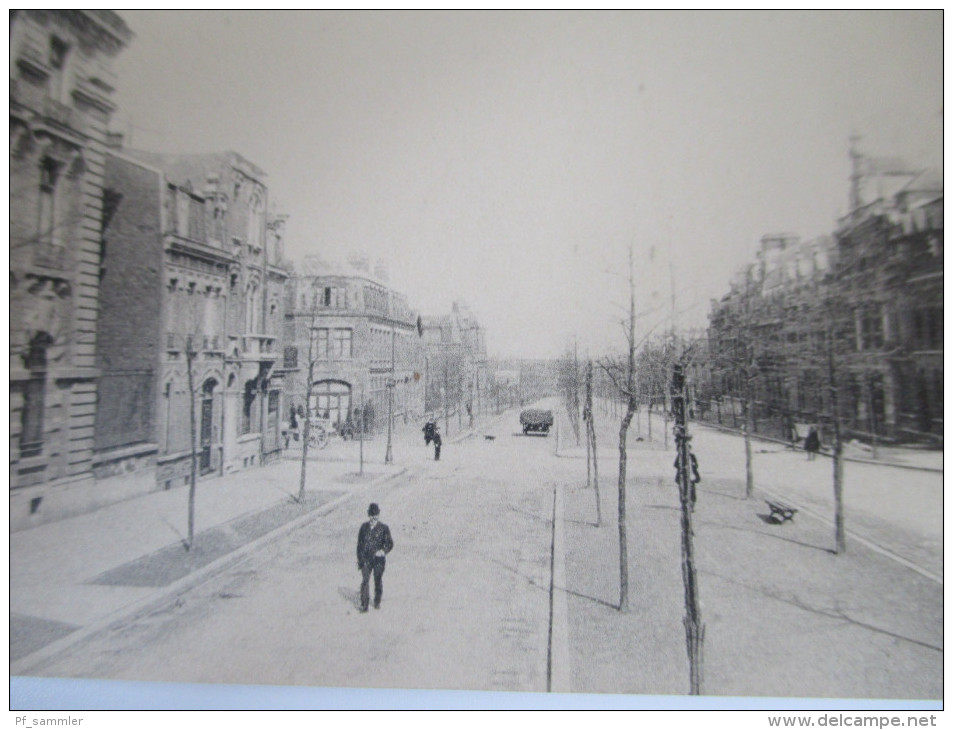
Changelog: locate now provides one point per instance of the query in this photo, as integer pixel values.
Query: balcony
(259, 347)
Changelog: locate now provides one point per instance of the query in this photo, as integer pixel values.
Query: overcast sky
(508, 159)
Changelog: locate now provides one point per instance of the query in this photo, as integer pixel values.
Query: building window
(332, 344)
(255, 224)
(342, 343)
(49, 178)
(248, 407)
(928, 328)
(321, 344)
(182, 214)
(291, 356)
(871, 330)
(333, 297)
(34, 397)
(59, 62)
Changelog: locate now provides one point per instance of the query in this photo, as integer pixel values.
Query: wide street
(475, 598)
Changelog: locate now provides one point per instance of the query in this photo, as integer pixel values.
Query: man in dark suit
(373, 544)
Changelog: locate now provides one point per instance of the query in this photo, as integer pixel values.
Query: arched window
(252, 307)
(331, 399)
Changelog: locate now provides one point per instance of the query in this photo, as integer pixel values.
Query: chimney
(380, 271)
(360, 261)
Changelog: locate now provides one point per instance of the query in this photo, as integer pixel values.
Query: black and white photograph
(477, 359)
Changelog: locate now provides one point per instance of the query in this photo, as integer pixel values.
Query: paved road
(466, 601)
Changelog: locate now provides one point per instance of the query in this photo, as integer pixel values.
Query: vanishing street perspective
(545, 352)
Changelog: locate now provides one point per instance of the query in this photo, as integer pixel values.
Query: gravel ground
(784, 616)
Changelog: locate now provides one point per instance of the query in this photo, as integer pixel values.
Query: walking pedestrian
(812, 443)
(432, 434)
(373, 544)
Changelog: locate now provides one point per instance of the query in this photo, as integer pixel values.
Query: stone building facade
(456, 373)
(362, 339)
(863, 307)
(61, 90)
(890, 264)
(192, 253)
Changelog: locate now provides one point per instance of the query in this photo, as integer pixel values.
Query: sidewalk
(75, 576)
(903, 457)
(71, 577)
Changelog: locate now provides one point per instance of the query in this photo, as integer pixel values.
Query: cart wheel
(319, 437)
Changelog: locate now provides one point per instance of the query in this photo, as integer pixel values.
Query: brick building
(61, 89)
(191, 291)
(360, 335)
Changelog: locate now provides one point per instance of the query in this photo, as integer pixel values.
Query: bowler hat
(373, 510)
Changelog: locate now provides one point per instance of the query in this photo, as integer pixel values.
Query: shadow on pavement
(167, 565)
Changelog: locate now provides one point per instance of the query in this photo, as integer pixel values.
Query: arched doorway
(331, 399)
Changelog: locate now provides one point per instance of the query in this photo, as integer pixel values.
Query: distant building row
(150, 295)
(864, 305)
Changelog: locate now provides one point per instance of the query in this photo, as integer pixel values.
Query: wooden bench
(780, 512)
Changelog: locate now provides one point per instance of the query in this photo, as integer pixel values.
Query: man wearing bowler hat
(373, 543)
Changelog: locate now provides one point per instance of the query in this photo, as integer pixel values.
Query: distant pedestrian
(373, 544)
(431, 433)
(812, 443)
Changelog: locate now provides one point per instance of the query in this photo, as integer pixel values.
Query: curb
(184, 584)
(854, 459)
(866, 542)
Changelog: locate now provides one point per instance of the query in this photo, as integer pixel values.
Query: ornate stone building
(863, 307)
(361, 337)
(61, 89)
(456, 373)
(193, 298)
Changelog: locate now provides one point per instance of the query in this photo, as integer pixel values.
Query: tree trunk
(840, 541)
(309, 384)
(694, 628)
(749, 469)
(304, 452)
(623, 540)
(595, 476)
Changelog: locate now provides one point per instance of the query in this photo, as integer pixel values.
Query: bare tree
(622, 375)
(734, 357)
(591, 451)
(309, 385)
(686, 478)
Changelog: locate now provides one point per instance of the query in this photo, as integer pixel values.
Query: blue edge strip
(37, 693)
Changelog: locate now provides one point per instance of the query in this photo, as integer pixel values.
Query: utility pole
(856, 174)
(389, 457)
(687, 477)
